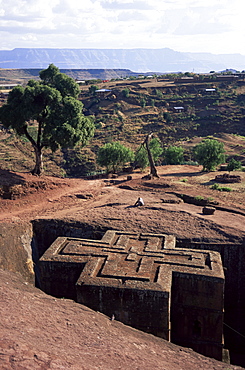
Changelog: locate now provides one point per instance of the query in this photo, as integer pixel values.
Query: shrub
(152, 102)
(233, 165)
(167, 117)
(225, 188)
(199, 197)
(126, 92)
(216, 186)
(92, 89)
(114, 155)
(159, 94)
(173, 155)
(141, 156)
(143, 102)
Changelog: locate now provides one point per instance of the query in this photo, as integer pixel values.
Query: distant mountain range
(137, 60)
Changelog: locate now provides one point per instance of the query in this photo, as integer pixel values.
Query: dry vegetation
(146, 106)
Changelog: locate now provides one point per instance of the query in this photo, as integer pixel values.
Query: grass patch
(199, 197)
(220, 188)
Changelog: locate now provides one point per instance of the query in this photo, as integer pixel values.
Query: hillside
(135, 107)
(11, 75)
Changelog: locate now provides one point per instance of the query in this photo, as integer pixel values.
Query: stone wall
(46, 231)
(145, 282)
(233, 259)
(16, 249)
(196, 319)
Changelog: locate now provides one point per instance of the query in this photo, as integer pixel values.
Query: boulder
(208, 210)
(227, 178)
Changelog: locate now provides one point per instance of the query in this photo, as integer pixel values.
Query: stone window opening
(197, 328)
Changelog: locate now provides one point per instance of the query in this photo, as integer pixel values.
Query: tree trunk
(152, 165)
(38, 169)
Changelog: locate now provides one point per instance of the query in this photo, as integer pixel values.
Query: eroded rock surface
(42, 332)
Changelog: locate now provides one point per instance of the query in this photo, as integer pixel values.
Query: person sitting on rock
(139, 202)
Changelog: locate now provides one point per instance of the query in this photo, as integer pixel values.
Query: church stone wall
(144, 281)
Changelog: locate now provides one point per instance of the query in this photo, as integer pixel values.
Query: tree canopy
(51, 106)
(114, 155)
(209, 153)
(173, 155)
(233, 165)
(92, 89)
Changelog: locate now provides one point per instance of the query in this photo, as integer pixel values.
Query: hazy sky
(215, 26)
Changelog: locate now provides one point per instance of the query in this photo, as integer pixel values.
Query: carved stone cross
(144, 281)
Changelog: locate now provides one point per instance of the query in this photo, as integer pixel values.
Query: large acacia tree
(50, 104)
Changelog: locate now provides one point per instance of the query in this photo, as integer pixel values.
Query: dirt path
(44, 202)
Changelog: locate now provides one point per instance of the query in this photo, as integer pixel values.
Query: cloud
(29, 37)
(119, 5)
(14, 9)
(192, 21)
(202, 27)
(123, 23)
(63, 7)
(127, 16)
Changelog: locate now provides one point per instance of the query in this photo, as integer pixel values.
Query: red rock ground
(103, 203)
(38, 331)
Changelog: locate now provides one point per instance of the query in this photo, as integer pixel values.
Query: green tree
(152, 102)
(241, 99)
(209, 153)
(233, 165)
(173, 155)
(113, 156)
(52, 105)
(159, 94)
(79, 161)
(167, 117)
(126, 92)
(60, 81)
(141, 156)
(142, 102)
(92, 89)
